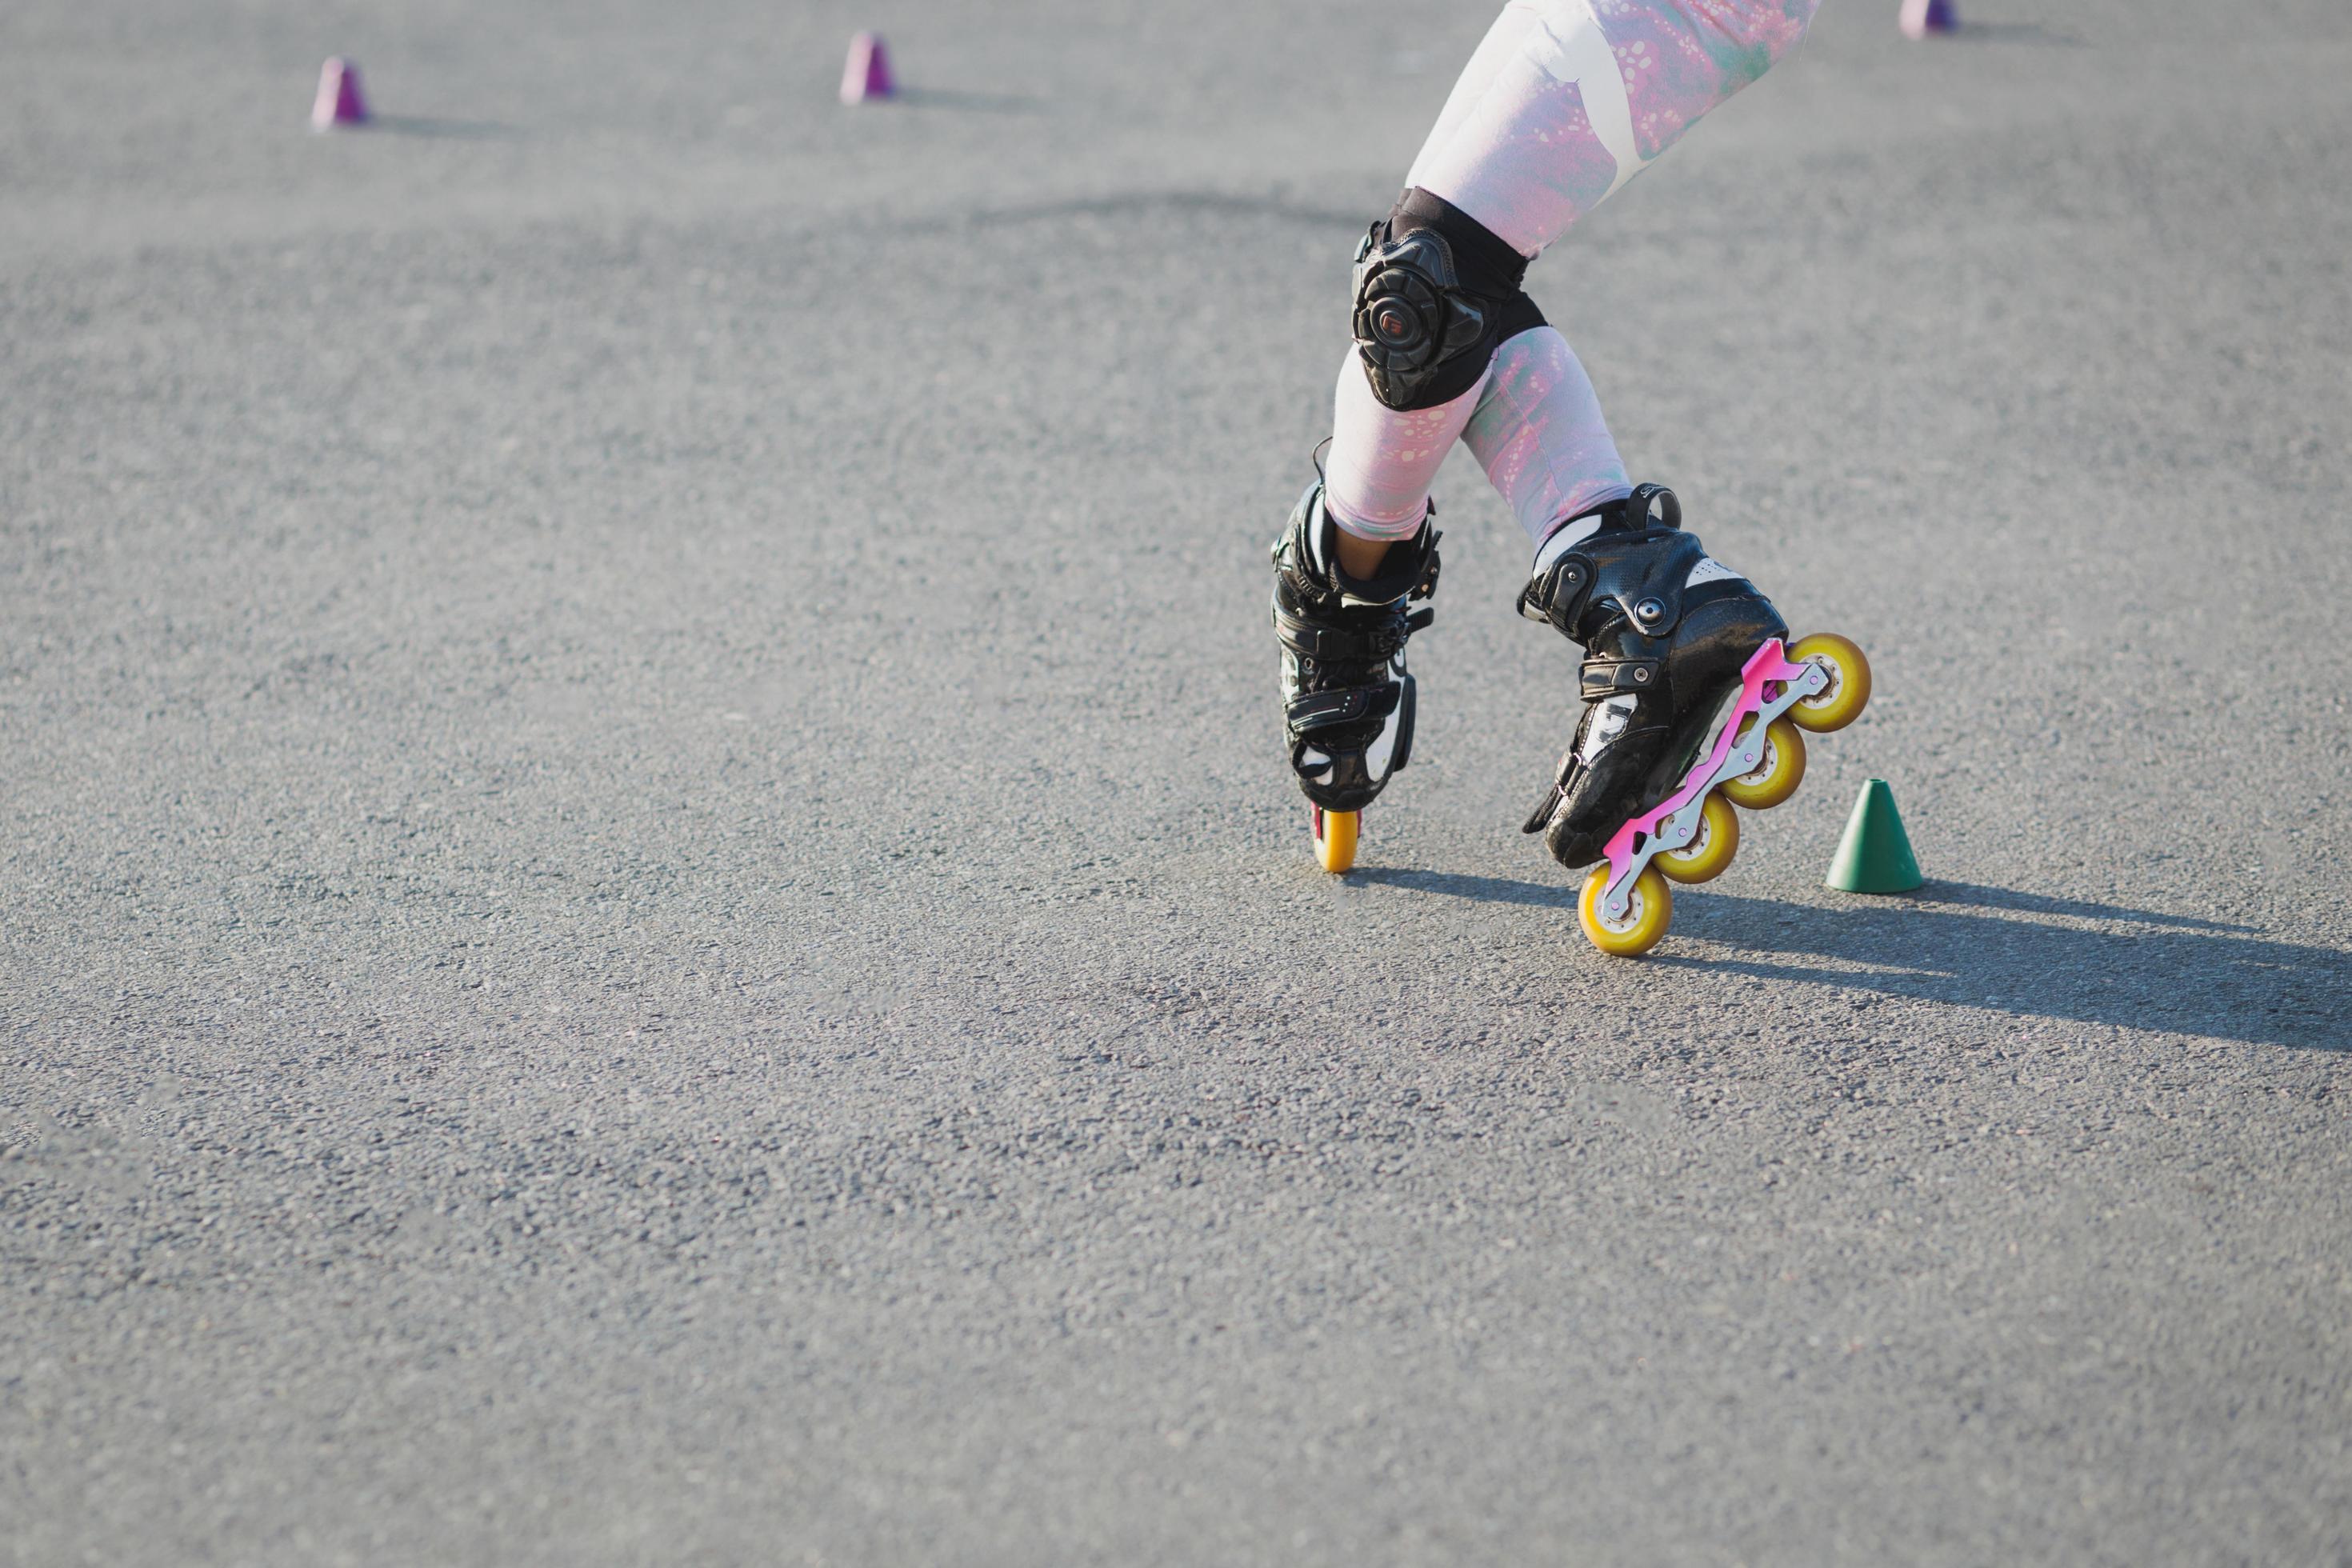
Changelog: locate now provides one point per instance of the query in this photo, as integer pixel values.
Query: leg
(1533, 421)
(1538, 434)
(1585, 95)
(1563, 102)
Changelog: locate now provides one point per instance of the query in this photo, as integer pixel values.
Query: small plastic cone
(868, 74)
(339, 101)
(1874, 855)
(1921, 17)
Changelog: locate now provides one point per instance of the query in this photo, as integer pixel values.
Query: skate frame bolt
(1649, 609)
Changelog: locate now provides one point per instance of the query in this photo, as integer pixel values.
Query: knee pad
(1437, 292)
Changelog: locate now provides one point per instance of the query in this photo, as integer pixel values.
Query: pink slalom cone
(1921, 17)
(339, 101)
(868, 74)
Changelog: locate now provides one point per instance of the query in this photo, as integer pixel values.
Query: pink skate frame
(1766, 664)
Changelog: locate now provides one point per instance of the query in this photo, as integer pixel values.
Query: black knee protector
(1437, 292)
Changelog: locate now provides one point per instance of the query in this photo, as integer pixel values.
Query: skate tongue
(1394, 580)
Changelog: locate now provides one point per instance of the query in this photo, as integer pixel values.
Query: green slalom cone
(1874, 855)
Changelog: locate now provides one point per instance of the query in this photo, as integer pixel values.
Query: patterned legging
(1564, 101)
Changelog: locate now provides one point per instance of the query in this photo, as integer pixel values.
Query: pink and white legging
(1564, 101)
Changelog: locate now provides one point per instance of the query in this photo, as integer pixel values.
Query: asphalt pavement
(650, 910)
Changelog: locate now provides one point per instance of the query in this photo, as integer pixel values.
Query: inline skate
(1695, 701)
(1348, 701)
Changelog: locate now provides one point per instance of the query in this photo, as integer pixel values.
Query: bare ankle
(1359, 558)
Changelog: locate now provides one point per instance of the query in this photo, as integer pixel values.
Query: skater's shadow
(2021, 953)
(1967, 895)
(957, 97)
(1483, 889)
(2015, 33)
(422, 125)
(2134, 968)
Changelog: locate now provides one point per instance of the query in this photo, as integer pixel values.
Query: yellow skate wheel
(1777, 776)
(1841, 702)
(1708, 853)
(1646, 917)
(1335, 838)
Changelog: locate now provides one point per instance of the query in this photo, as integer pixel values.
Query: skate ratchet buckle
(1755, 758)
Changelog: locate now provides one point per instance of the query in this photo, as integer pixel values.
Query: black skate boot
(1349, 701)
(1694, 702)
(1667, 631)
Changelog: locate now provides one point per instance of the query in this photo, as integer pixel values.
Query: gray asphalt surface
(649, 910)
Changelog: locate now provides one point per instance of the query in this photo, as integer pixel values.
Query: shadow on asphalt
(1485, 890)
(1957, 943)
(956, 98)
(1965, 894)
(2015, 33)
(419, 125)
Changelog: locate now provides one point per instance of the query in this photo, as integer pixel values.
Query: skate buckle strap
(1556, 594)
(1606, 677)
(1319, 640)
(1316, 711)
(1427, 587)
(1641, 568)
